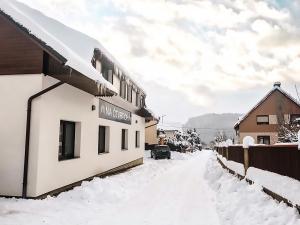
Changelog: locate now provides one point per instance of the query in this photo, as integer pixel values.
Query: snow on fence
(275, 167)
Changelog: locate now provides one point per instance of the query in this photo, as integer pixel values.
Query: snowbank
(91, 202)
(239, 203)
(234, 166)
(284, 186)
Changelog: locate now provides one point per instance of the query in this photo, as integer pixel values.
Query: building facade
(66, 115)
(263, 121)
(151, 138)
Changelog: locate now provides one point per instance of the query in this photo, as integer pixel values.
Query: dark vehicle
(173, 147)
(161, 152)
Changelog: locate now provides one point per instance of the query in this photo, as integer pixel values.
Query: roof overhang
(146, 113)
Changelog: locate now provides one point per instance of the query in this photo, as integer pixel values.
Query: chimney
(277, 84)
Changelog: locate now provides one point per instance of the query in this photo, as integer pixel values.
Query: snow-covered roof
(76, 47)
(275, 88)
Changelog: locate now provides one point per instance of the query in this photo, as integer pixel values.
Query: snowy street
(189, 189)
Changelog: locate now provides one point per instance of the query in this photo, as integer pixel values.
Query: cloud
(196, 48)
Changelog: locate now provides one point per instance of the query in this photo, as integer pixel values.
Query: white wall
(69, 103)
(46, 172)
(15, 91)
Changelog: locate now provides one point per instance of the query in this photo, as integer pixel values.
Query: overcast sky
(194, 56)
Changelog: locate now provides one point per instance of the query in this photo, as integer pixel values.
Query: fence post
(247, 141)
(227, 153)
(246, 159)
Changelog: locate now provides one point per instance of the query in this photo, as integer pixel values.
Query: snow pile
(237, 202)
(234, 166)
(248, 141)
(190, 189)
(73, 45)
(282, 185)
(229, 142)
(92, 201)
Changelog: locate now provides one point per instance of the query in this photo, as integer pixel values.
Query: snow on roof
(170, 127)
(275, 88)
(76, 47)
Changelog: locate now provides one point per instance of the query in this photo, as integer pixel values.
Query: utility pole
(162, 119)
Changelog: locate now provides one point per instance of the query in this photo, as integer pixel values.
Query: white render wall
(15, 91)
(46, 173)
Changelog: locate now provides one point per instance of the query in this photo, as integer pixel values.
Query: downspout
(27, 138)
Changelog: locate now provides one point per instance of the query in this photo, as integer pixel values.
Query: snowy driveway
(178, 196)
(189, 189)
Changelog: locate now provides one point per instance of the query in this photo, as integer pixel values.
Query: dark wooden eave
(54, 64)
(144, 112)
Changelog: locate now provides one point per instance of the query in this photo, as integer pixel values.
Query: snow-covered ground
(189, 189)
(234, 166)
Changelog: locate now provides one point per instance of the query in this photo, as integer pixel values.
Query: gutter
(27, 138)
(152, 125)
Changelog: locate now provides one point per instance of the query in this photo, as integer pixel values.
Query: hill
(209, 124)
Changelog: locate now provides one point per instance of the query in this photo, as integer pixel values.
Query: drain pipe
(27, 138)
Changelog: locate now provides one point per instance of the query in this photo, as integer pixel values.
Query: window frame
(61, 153)
(262, 123)
(137, 139)
(124, 139)
(264, 137)
(129, 93)
(106, 140)
(123, 89)
(137, 99)
(293, 118)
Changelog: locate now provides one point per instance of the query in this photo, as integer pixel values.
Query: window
(142, 104)
(137, 139)
(263, 140)
(295, 118)
(107, 74)
(110, 77)
(103, 140)
(124, 144)
(129, 93)
(98, 66)
(123, 89)
(66, 140)
(262, 120)
(137, 100)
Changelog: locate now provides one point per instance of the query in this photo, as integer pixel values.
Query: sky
(194, 56)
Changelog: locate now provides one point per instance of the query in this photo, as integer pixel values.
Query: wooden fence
(280, 159)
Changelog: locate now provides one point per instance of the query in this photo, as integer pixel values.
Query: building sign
(112, 112)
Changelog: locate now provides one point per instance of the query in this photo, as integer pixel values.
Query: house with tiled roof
(263, 121)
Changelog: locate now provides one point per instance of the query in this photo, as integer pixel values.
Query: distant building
(262, 122)
(151, 138)
(69, 110)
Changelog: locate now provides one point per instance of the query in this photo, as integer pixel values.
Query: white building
(61, 121)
